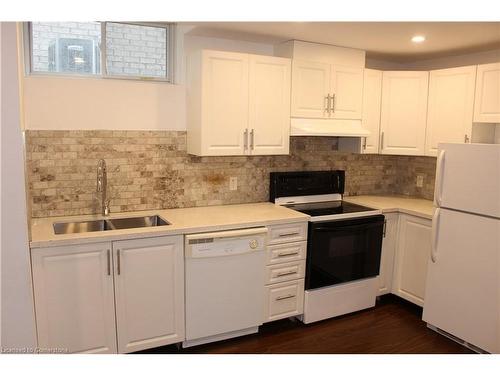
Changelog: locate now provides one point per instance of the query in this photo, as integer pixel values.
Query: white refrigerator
(462, 298)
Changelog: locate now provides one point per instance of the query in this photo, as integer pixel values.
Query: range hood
(327, 128)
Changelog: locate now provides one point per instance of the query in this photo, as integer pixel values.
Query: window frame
(170, 58)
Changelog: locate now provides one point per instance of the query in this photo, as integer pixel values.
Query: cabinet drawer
(287, 233)
(284, 300)
(285, 272)
(287, 252)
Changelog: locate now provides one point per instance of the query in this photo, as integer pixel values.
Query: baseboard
(222, 336)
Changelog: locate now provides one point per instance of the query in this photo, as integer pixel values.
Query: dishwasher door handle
(226, 234)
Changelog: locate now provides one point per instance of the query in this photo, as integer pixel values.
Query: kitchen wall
(139, 128)
(152, 170)
(451, 61)
(75, 103)
(17, 310)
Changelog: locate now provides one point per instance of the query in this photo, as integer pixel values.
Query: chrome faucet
(102, 186)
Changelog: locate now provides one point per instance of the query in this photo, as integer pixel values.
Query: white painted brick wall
(130, 49)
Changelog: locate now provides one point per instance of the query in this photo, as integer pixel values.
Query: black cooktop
(328, 208)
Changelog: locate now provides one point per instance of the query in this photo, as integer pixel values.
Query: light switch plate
(233, 183)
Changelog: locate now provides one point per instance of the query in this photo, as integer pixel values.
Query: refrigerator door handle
(439, 179)
(434, 234)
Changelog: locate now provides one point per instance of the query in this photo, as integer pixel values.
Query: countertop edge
(366, 201)
(156, 232)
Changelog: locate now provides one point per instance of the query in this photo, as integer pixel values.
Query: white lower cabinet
(411, 258)
(149, 290)
(285, 271)
(389, 244)
(77, 287)
(284, 300)
(74, 298)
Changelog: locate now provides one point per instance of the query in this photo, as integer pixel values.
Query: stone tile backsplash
(152, 170)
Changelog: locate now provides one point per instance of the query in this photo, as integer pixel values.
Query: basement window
(100, 49)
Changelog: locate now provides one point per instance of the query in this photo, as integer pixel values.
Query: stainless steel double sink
(109, 224)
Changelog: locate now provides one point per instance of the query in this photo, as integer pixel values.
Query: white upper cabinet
(487, 99)
(321, 90)
(218, 98)
(310, 89)
(347, 92)
(372, 97)
(74, 298)
(149, 289)
(403, 112)
(225, 103)
(450, 106)
(269, 105)
(327, 81)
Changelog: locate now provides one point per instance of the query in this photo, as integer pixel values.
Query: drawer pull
(287, 254)
(286, 273)
(289, 234)
(285, 297)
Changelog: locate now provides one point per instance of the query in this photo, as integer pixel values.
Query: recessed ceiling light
(418, 39)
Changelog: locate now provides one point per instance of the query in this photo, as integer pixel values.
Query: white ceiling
(382, 40)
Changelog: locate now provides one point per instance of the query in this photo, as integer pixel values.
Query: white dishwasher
(225, 274)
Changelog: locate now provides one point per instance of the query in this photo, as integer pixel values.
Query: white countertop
(183, 221)
(211, 218)
(412, 206)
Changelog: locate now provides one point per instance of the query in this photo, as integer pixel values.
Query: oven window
(343, 251)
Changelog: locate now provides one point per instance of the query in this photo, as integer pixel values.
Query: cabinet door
(487, 99)
(451, 100)
(269, 105)
(224, 102)
(372, 97)
(149, 287)
(310, 87)
(347, 88)
(403, 113)
(74, 299)
(412, 255)
(388, 250)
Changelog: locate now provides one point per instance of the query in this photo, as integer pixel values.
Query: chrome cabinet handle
(327, 106)
(289, 234)
(118, 262)
(364, 144)
(286, 273)
(252, 139)
(285, 297)
(245, 139)
(385, 227)
(333, 103)
(287, 254)
(109, 261)
(382, 140)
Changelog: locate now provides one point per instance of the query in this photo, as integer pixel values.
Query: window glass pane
(133, 50)
(66, 47)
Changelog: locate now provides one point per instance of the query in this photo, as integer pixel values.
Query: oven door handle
(348, 227)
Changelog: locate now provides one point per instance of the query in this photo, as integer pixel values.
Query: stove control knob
(253, 244)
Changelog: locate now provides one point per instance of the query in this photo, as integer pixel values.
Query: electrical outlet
(420, 180)
(233, 183)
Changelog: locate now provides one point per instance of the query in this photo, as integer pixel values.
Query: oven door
(344, 250)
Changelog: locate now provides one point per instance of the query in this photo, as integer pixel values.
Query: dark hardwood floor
(392, 326)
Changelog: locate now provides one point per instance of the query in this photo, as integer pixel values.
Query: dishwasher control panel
(225, 243)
